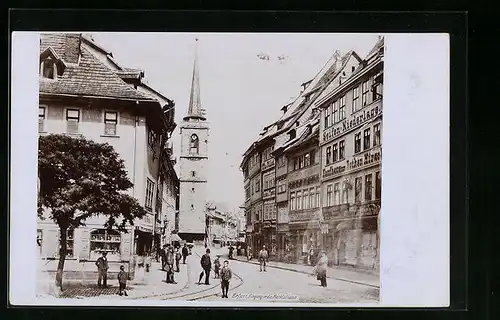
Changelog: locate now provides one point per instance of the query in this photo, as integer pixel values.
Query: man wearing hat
(102, 269)
(263, 258)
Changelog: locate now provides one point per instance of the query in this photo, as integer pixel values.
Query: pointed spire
(194, 109)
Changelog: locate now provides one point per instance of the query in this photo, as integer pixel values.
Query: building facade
(193, 166)
(84, 92)
(351, 148)
(327, 187)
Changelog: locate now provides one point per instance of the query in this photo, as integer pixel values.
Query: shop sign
(303, 215)
(332, 212)
(368, 158)
(352, 122)
(304, 182)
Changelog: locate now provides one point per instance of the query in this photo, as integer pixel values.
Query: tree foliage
(80, 178)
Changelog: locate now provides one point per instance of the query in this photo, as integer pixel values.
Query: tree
(79, 179)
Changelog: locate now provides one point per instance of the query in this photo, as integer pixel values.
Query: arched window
(194, 144)
(105, 240)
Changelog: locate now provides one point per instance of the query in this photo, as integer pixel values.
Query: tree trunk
(62, 257)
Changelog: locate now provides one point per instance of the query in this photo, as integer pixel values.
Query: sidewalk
(152, 284)
(338, 273)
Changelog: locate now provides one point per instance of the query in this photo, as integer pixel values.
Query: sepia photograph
(210, 167)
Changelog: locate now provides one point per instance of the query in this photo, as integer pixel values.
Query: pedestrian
(225, 275)
(185, 253)
(147, 260)
(102, 269)
(231, 249)
(263, 258)
(249, 255)
(216, 267)
(321, 268)
(122, 281)
(177, 260)
(206, 265)
(170, 257)
(163, 256)
(310, 255)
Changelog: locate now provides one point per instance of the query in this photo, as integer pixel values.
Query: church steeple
(194, 109)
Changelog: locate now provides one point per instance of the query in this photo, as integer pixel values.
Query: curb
(303, 272)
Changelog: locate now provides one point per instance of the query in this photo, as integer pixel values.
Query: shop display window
(105, 240)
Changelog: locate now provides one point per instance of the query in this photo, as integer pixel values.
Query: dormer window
(49, 68)
(51, 65)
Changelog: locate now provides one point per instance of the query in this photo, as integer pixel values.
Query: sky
(241, 92)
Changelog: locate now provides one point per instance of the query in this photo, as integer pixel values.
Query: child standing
(225, 276)
(217, 267)
(122, 280)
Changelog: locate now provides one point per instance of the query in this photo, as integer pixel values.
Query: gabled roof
(376, 47)
(50, 52)
(86, 75)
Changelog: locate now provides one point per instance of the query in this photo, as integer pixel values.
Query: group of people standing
(170, 260)
(224, 274)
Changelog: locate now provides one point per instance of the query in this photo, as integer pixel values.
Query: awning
(175, 237)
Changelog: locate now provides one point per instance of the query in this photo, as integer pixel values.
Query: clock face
(194, 137)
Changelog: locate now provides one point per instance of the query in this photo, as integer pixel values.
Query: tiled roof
(66, 45)
(87, 77)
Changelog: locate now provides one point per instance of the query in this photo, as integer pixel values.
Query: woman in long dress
(321, 268)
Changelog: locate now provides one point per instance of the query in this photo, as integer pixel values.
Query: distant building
(83, 91)
(193, 166)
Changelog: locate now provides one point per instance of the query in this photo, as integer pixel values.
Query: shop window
(335, 153)
(357, 142)
(368, 187)
(105, 240)
(70, 243)
(376, 134)
(342, 150)
(41, 118)
(358, 185)
(366, 139)
(110, 122)
(72, 120)
(328, 155)
(378, 185)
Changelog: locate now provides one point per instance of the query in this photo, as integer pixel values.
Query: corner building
(351, 151)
